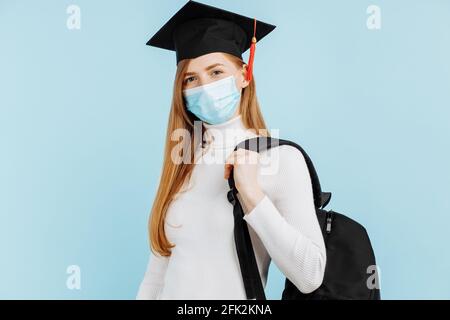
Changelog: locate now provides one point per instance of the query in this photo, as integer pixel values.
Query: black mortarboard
(197, 29)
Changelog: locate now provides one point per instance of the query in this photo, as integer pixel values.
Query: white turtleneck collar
(227, 134)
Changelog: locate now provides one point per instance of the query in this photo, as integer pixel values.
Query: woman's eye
(187, 80)
(217, 72)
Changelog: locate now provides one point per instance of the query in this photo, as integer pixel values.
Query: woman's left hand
(245, 165)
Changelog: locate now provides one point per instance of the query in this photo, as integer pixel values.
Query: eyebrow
(206, 69)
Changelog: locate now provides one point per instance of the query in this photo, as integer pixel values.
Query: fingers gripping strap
(260, 144)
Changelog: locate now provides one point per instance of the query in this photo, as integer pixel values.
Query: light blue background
(84, 114)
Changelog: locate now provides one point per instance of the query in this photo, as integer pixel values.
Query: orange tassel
(252, 54)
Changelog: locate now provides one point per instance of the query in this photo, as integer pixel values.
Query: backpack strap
(260, 144)
(247, 260)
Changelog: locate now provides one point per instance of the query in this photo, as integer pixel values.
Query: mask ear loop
(252, 54)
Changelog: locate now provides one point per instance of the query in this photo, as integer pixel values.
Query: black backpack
(350, 271)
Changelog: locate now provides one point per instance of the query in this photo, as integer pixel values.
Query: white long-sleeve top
(283, 226)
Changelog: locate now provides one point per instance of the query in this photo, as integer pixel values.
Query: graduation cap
(197, 29)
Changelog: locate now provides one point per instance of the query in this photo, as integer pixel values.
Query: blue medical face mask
(214, 102)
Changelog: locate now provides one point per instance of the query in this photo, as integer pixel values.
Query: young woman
(193, 254)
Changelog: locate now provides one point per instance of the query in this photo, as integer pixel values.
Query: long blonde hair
(174, 175)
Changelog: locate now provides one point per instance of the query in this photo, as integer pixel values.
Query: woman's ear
(245, 82)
